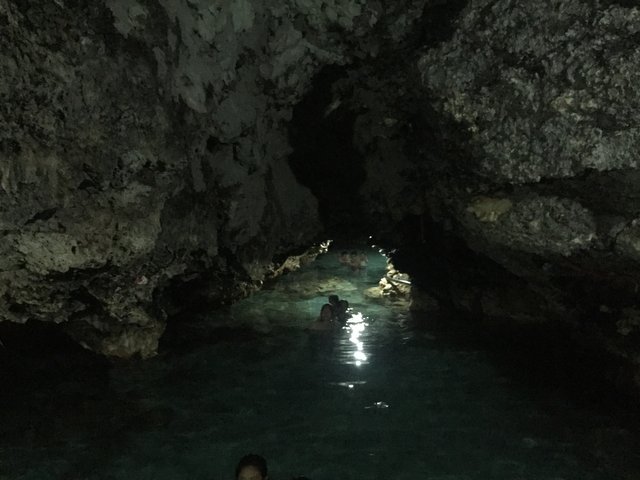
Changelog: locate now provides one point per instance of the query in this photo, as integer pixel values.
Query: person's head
(333, 300)
(343, 305)
(326, 313)
(251, 467)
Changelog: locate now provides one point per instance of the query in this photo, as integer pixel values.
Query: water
(386, 397)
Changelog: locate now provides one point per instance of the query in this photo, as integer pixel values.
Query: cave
(360, 239)
(324, 157)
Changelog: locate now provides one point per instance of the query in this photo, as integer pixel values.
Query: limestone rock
(542, 89)
(628, 241)
(488, 209)
(143, 152)
(544, 225)
(504, 156)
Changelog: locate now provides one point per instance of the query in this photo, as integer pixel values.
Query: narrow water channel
(384, 397)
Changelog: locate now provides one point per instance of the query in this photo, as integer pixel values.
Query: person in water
(334, 300)
(325, 320)
(359, 261)
(332, 314)
(252, 467)
(355, 260)
(341, 311)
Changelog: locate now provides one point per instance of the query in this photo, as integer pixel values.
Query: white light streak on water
(356, 325)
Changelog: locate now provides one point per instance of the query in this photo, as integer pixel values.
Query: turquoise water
(386, 397)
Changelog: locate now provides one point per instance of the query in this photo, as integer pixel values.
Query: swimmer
(359, 260)
(334, 300)
(326, 313)
(354, 259)
(325, 321)
(362, 260)
(252, 467)
(341, 311)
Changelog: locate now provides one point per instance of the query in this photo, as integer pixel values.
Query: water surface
(390, 395)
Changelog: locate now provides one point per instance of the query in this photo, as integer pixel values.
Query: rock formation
(143, 152)
(147, 165)
(513, 169)
(543, 97)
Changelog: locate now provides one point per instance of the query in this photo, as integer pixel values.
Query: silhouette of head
(251, 467)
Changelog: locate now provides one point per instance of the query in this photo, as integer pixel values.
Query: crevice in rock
(613, 193)
(438, 21)
(9, 146)
(92, 305)
(621, 3)
(42, 215)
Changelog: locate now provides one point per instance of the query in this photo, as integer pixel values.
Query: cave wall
(144, 148)
(546, 96)
(503, 152)
(144, 156)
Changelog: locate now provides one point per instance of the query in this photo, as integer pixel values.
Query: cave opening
(324, 158)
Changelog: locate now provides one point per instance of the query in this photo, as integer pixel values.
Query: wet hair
(252, 460)
(334, 299)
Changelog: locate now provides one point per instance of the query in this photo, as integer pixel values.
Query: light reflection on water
(355, 342)
(356, 325)
(375, 399)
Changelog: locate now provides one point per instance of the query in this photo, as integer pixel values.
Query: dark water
(389, 396)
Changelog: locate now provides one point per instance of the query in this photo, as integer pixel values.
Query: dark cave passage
(324, 157)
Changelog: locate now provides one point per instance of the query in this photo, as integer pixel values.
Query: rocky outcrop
(508, 160)
(543, 90)
(499, 146)
(143, 152)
